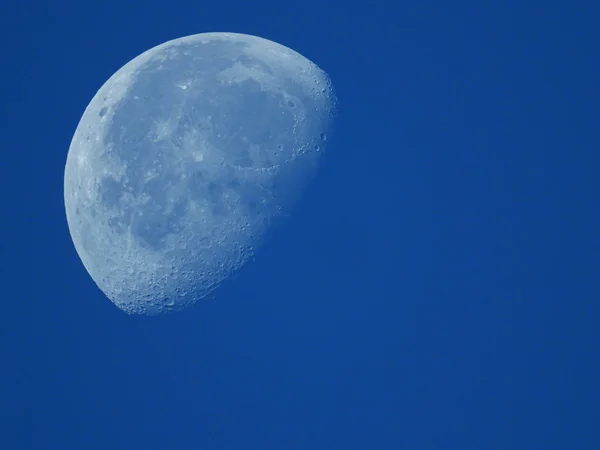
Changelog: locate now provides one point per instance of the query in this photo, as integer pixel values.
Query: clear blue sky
(437, 288)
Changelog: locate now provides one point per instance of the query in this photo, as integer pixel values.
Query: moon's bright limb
(182, 158)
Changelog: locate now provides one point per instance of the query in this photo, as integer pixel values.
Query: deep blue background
(437, 288)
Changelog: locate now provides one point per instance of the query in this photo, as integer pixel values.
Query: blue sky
(437, 287)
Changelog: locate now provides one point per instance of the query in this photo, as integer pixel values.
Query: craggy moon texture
(183, 158)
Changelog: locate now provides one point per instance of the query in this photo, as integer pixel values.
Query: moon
(183, 159)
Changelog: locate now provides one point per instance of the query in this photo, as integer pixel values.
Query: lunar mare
(184, 157)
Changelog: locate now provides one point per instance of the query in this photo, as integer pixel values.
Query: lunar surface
(182, 160)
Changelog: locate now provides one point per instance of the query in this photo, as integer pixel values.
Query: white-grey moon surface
(184, 157)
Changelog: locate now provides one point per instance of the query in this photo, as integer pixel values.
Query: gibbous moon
(183, 158)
